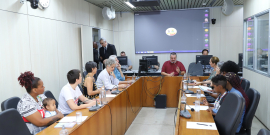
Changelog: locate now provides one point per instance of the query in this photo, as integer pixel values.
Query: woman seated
(233, 85)
(30, 106)
(213, 63)
(118, 72)
(107, 77)
(89, 85)
(219, 83)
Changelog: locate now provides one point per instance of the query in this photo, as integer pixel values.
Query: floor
(151, 121)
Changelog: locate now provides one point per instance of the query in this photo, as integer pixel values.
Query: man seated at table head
(173, 67)
(118, 72)
(107, 77)
(129, 64)
(70, 94)
(205, 52)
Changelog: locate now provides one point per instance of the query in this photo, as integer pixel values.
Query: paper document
(201, 107)
(110, 95)
(201, 125)
(67, 125)
(195, 87)
(204, 88)
(71, 119)
(194, 95)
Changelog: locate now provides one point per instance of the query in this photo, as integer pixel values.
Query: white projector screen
(177, 31)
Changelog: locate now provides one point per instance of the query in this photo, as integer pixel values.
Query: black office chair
(50, 95)
(84, 74)
(254, 98)
(10, 103)
(229, 114)
(11, 123)
(96, 75)
(264, 132)
(245, 84)
(80, 88)
(195, 69)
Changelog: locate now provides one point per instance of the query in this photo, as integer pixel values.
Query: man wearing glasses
(106, 50)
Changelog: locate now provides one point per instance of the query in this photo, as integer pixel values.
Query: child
(49, 106)
(219, 82)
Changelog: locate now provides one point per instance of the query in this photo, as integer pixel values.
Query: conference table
(117, 115)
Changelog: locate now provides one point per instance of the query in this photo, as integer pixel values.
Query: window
(262, 42)
(256, 42)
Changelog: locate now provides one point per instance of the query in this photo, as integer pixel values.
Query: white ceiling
(119, 5)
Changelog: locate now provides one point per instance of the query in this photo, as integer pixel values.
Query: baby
(49, 106)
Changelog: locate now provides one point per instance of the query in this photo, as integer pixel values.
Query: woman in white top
(107, 77)
(71, 94)
(30, 106)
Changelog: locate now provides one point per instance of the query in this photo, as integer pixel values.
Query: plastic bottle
(63, 131)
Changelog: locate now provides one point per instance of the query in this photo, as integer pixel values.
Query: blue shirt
(233, 90)
(118, 75)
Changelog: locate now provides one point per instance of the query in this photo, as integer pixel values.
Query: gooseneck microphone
(187, 91)
(94, 108)
(185, 113)
(116, 91)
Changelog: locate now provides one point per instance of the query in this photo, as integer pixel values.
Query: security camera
(34, 3)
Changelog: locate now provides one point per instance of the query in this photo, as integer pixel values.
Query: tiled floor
(151, 121)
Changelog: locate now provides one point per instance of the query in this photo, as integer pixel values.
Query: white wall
(48, 42)
(258, 81)
(225, 37)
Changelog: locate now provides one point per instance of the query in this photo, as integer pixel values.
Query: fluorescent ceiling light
(129, 4)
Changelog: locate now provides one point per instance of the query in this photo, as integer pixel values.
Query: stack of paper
(195, 87)
(69, 119)
(201, 107)
(110, 95)
(201, 125)
(194, 95)
(67, 125)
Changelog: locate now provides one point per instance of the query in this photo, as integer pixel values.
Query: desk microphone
(116, 91)
(187, 91)
(94, 108)
(185, 113)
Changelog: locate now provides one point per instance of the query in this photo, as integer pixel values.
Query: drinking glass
(79, 117)
(197, 105)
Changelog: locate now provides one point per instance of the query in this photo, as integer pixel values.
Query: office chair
(84, 74)
(50, 95)
(12, 123)
(10, 103)
(245, 84)
(264, 132)
(96, 75)
(254, 98)
(229, 114)
(195, 69)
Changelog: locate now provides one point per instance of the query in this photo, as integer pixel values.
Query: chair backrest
(229, 114)
(84, 74)
(80, 88)
(264, 132)
(254, 99)
(50, 95)
(195, 69)
(10, 103)
(245, 84)
(11, 123)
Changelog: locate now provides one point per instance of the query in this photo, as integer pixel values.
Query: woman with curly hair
(30, 106)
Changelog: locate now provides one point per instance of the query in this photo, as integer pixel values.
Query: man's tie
(105, 50)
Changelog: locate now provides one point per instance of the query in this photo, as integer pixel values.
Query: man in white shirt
(107, 77)
(71, 94)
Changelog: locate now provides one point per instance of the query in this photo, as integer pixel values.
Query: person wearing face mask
(107, 77)
(173, 67)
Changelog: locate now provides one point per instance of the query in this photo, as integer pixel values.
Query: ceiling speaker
(108, 13)
(227, 8)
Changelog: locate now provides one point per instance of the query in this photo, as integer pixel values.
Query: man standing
(95, 53)
(106, 50)
(173, 67)
(129, 66)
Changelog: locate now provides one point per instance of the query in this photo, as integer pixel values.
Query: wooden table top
(202, 116)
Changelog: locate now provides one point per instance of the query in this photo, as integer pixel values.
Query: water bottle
(63, 131)
(102, 96)
(183, 98)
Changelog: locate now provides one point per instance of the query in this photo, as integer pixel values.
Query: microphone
(185, 113)
(187, 90)
(94, 108)
(116, 91)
